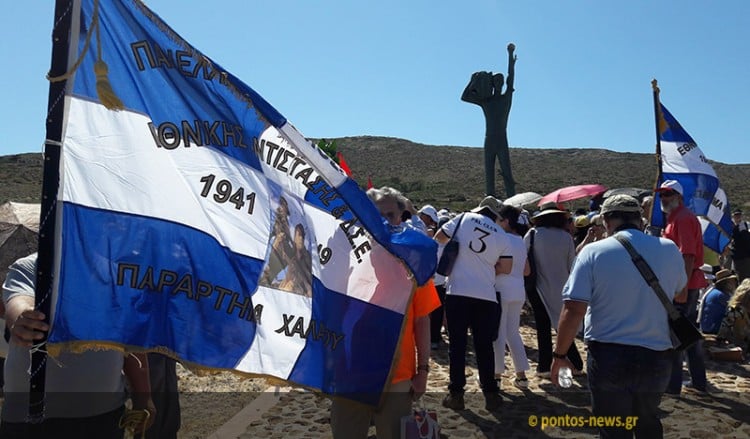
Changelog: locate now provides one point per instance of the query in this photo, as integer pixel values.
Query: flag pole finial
(655, 86)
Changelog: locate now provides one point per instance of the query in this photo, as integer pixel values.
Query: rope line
(104, 90)
(86, 45)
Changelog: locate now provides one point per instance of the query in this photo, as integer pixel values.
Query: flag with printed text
(683, 160)
(197, 221)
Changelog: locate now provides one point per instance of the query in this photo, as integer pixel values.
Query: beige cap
(491, 203)
(620, 203)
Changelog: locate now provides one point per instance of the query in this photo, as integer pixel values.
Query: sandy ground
(240, 407)
(210, 401)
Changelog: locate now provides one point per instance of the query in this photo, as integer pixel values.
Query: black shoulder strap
(460, 218)
(530, 256)
(649, 275)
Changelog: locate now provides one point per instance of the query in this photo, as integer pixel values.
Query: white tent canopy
(21, 213)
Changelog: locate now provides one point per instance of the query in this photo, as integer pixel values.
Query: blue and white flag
(198, 222)
(683, 160)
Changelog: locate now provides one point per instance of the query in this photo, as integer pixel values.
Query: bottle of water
(565, 377)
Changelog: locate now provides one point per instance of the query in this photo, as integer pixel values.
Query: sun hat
(581, 221)
(491, 203)
(724, 275)
(548, 208)
(430, 211)
(620, 203)
(671, 185)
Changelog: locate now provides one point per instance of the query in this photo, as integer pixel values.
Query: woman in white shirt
(510, 287)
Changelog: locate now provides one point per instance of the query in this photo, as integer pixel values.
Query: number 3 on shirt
(482, 234)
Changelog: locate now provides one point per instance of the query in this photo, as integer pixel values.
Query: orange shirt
(424, 302)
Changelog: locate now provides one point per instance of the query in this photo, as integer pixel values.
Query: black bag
(448, 258)
(450, 253)
(683, 332)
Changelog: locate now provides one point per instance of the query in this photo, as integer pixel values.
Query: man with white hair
(409, 380)
(684, 229)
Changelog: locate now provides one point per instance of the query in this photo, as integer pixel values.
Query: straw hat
(724, 275)
(548, 208)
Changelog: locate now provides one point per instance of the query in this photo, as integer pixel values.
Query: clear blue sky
(397, 68)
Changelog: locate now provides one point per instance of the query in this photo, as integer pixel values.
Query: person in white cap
(684, 230)
(429, 216)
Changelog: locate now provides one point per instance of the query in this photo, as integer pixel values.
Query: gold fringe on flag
(104, 90)
(133, 421)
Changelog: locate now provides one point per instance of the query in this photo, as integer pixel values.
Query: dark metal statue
(486, 90)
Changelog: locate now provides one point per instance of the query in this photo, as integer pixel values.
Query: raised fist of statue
(511, 47)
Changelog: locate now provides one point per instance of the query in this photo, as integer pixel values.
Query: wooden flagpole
(658, 119)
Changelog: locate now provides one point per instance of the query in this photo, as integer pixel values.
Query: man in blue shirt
(715, 301)
(626, 328)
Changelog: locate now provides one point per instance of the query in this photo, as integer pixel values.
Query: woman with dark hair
(554, 253)
(510, 289)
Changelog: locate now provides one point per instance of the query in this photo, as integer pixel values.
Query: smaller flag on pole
(683, 160)
(343, 165)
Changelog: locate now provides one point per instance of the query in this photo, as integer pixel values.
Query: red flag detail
(343, 164)
(369, 182)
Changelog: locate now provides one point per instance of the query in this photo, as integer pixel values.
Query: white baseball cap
(430, 211)
(671, 185)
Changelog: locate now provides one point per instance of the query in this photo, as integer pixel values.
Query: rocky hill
(447, 176)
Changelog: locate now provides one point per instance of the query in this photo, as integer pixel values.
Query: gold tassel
(104, 90)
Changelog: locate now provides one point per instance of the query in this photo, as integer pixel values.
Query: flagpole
(65, 10)
(657, 122)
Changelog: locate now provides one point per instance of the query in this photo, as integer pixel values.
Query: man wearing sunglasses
(684, 230)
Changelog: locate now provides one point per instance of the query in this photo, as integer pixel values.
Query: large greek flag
(683, 160)
(198, 222)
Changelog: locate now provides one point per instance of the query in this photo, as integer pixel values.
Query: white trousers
(508, 333)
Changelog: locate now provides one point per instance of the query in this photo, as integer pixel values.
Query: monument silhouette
(486, 90)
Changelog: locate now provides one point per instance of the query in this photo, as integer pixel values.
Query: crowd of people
(579, 282)
(575, 271)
